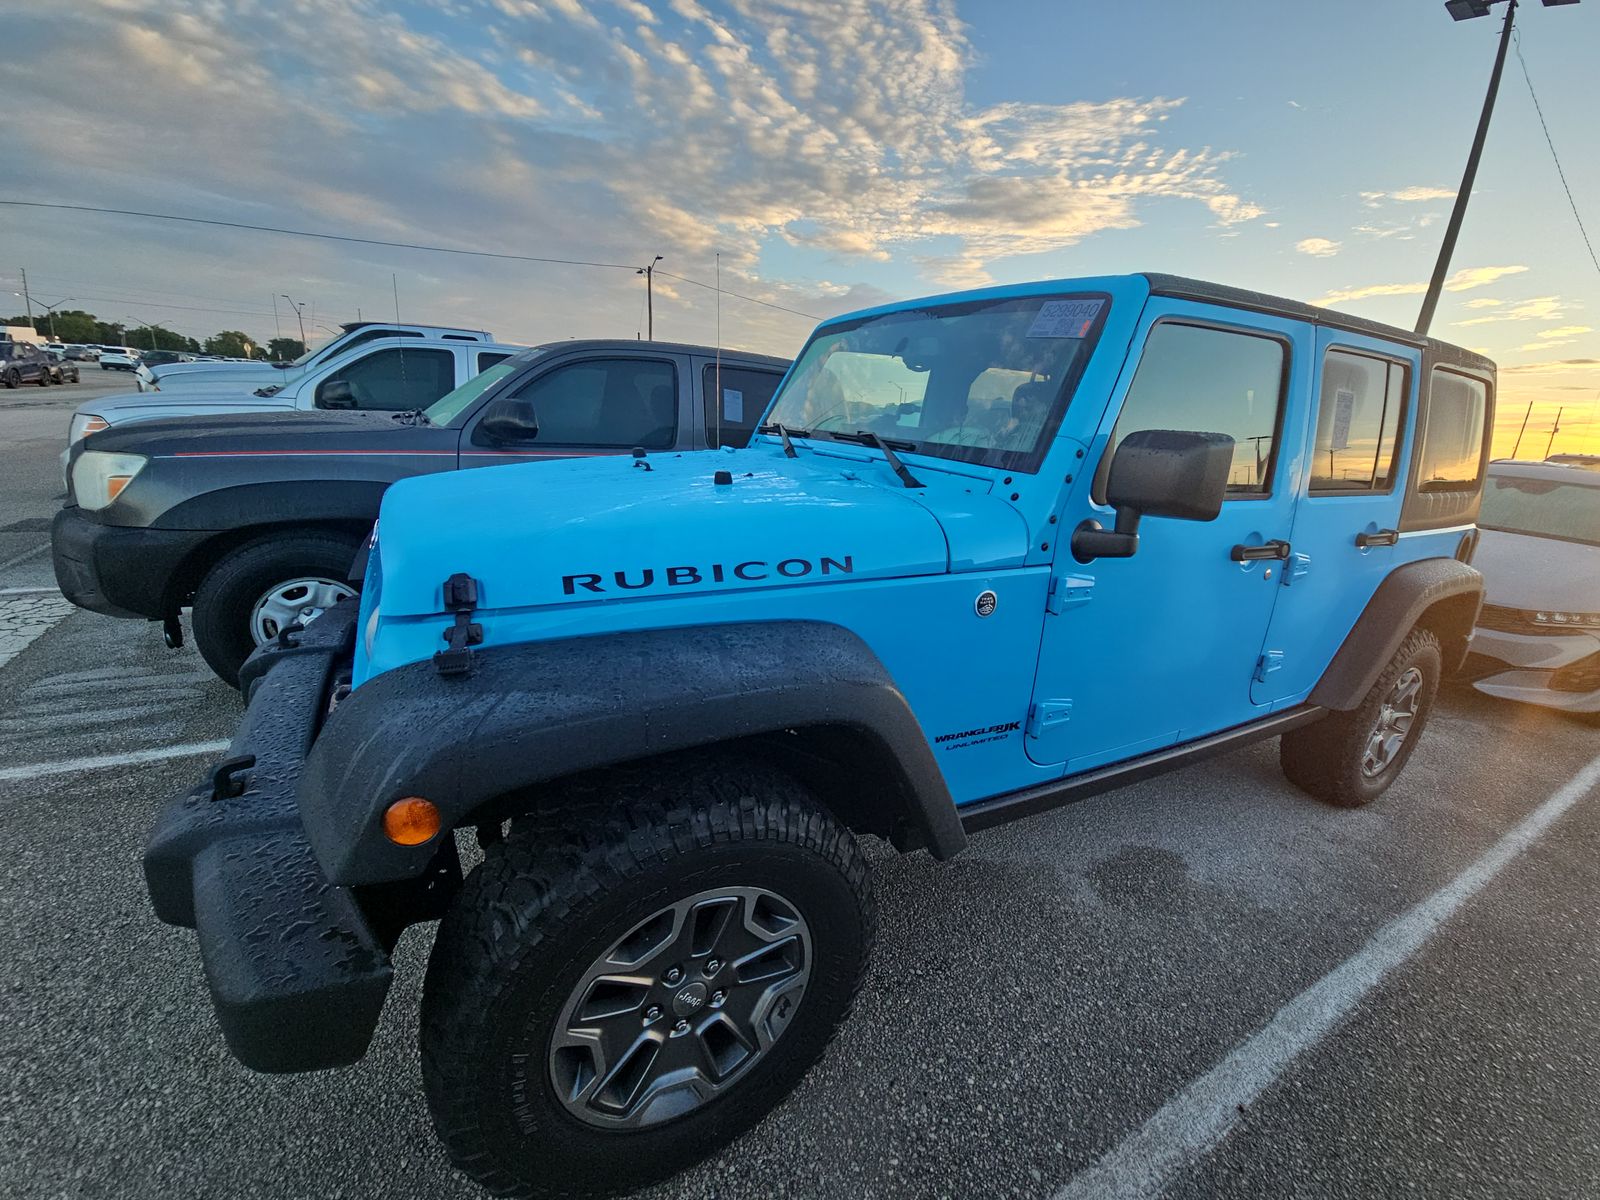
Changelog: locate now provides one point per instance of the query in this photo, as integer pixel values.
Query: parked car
(63, 369)
(215, 372)
(1590, 462)
(55, 349)
(1538, 636)
(83, 353)
(118, 360)
(993, 552)
(23, 362)
(253, 520)
(162, 358)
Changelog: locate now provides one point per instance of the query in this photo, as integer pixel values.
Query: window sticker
(732, 405)
(1065, 318)
(1344, 407)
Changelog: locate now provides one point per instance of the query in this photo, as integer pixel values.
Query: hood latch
(460, 597)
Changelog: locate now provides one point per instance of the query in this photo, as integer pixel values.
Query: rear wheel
(256, 591)
(635, 980)
(1350, 758)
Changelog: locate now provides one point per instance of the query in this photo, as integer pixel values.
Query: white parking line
(1198, 1118)
(70, 766)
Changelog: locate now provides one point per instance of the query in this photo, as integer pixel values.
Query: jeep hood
(605, 530)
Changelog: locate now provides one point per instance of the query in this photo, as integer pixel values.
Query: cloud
(1408, 195)
(1564, 331)
(1317, 247)
(1540, 308)
(1463, 280)
(1482, 302)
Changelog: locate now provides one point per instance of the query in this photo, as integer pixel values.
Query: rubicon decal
(751, 571)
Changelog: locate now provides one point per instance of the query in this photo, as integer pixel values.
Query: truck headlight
(83, 424)
(99, 477)
(1553, 619)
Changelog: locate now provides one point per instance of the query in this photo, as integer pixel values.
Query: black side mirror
(336, 393)
(510, 419)
(1158, 473)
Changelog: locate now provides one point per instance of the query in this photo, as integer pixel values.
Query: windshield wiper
(412, 416)
(778, 428)
(866, 437)
(273, 390)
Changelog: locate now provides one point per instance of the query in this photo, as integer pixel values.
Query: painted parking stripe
(1197, 1119)
(100, 762)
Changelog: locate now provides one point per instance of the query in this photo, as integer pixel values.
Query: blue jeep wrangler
(990, 553)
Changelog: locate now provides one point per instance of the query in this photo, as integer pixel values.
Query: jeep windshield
(978, 381)
(1547, 508)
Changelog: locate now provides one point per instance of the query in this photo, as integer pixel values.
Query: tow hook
(172, 631)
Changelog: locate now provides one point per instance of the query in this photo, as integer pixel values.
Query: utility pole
(649, 299)
(1466, 10)
(148, 327)
(27, 299)
(1518, 443)
(1553, 432)
(300, 316)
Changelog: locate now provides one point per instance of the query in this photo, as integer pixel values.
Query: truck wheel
(636, 980)
(1351, 758)
(258, 589)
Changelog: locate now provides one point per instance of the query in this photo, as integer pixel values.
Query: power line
(1564, 185)
(339, 237)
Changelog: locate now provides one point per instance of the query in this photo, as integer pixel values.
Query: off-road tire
(229, 590)
(561, 889)
(1325, 759)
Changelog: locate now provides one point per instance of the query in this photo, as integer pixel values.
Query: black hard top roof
(1216, 293)
(748, 356)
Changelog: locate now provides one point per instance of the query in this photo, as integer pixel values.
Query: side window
(1452, 438)
(1194, 377)
(618, 402)
(1358, 424)
(732, 413)
(488, 359)
(392, 380)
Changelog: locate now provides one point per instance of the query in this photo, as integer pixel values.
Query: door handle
(1384, 537)
(1274, 550)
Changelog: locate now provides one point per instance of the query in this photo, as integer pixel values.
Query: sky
(817, 155)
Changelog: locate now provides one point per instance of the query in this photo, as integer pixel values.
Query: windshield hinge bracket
(1068, 591)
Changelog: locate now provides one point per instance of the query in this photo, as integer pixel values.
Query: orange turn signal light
(412, 821)
(115, 484)
(95, 425)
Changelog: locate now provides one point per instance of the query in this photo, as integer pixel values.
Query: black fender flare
(1441, 593)
(540, 711)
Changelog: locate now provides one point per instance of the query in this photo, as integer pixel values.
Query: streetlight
(151, 328)
(300, 316)
(1466, 10)
(51, 309)
(649, 299)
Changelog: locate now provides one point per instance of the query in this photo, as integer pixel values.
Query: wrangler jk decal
(991, 734)
(751, 572)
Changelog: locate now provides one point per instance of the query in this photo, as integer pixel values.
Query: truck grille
(1507, 620)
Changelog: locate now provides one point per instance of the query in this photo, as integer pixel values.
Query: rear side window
(488, 359)
(1452, 439)
(1208, 380)
(735, 399)
(615, 402)
(372, 335)
(392, 380)
(1359, 412)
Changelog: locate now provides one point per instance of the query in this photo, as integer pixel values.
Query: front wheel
(12, 379)
(1350, 758)
(252, 594)
(636, 979)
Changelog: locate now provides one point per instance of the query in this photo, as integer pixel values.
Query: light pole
(649, 299)
(49, 308)
(149, 328)
(1466, 10)
(300, 316)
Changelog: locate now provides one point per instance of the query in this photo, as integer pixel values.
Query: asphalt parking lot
(1207, 983)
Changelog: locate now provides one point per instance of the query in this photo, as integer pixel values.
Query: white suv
(1538, 636)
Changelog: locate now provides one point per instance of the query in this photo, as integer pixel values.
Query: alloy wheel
(1395, 718)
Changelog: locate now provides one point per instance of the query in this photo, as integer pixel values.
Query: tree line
(74, 326)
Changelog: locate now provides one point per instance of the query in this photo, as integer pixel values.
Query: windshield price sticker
(1065, 318)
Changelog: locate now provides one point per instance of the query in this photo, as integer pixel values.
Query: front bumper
(296, 968)
(1560, 671)
(119, 570)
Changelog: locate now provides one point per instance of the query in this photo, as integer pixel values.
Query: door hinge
(460, 597)
(1068, 591)
(1297, 566)
(1269, 662)
(1046, 714)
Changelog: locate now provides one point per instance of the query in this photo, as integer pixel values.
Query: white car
(123, 360)
(1538, 636)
